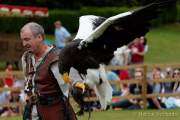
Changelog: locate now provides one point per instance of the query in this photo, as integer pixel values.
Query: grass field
(164, 44)
(127, 115)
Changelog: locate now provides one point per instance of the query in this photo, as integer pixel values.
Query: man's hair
(35, 28)
(58, 22)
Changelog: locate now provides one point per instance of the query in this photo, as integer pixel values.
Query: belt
(47, 100)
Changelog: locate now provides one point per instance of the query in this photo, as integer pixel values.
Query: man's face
(30, 42)
(57, 25)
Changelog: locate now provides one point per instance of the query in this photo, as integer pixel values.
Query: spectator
(5, 97)
(124, 75)
(9, 78)
(157, 74)
(168, 86)
(143, 41)
(173, 102)
(130, 103)
(61, 34)
(176, 75)
(112, 76)
(137, 51)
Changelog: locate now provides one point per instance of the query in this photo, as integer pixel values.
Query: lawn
(127, 115)
(164, 44)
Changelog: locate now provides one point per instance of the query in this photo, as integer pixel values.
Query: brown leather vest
(45, 82)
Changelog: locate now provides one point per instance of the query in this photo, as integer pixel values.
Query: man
(47, 92)
(61, 34)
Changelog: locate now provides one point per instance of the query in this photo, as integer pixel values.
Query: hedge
(178, 13)
(70, 18)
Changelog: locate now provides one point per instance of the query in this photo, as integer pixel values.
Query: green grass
(164, 44)
(127, 115)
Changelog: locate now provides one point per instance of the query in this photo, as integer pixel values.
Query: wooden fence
(144, 81)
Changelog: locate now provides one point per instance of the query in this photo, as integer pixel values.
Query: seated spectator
(157, 74)
(173, 102)
(137, 89)
(8, 111)
(176, 75)
(9, 78)
(5, 111)
(124, 75)
(112, 76)
(168, 86)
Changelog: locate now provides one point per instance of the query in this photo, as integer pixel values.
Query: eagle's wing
(120, 30)
(106, 36)
(87, 24)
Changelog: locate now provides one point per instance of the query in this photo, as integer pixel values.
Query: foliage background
(70, 17)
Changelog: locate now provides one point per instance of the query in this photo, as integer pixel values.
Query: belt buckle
(33, 98)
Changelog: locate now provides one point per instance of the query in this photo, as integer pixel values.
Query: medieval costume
(45, 88)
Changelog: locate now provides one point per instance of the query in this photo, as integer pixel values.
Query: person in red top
(9, 78)
(124, 75)
(137, 52)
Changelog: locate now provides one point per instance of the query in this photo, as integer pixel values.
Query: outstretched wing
(120, 30)
(87, 25)
(98, 46)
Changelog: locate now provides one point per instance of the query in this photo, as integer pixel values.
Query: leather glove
(81, 86)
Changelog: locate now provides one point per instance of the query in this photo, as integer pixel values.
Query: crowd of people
(118, 90)
(132, 54)
(13, 94)
(156, 102)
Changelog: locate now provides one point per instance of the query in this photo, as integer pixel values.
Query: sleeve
(62, 84)
(75, 76)
(23, 64)
(66, 33)
(25, 77)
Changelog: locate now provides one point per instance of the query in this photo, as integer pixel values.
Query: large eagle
(99, 37)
